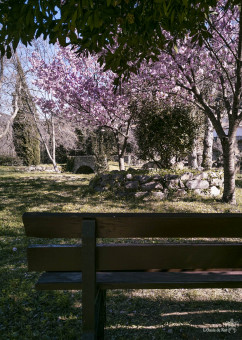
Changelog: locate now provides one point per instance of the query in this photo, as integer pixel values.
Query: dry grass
(131, 314)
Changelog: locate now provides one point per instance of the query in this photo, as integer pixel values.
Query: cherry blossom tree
(208, 74)
(80, 90)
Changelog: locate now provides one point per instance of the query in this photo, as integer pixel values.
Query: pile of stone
(41, 168)
(156, 186)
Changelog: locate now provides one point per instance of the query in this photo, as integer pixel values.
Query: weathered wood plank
(59, 281)
(89, 279)
(143, 280)
(137, 257)
(123, 225)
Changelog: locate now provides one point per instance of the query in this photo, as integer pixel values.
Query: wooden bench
(96, 268)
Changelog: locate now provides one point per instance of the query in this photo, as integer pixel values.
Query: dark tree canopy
(134, 27)
(25, 134)
(164, 132)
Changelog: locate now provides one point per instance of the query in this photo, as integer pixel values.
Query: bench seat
(143, 280)
(95, 267)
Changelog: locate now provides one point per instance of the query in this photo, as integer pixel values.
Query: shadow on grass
(29, 314)
(21, 194)
(238, 182)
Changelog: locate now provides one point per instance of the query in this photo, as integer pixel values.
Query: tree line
(187, 53)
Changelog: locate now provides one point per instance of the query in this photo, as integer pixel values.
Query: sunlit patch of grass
(131, 314)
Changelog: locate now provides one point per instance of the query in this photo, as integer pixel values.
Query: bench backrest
(89, 227)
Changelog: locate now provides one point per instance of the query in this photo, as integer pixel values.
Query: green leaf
(73, 19)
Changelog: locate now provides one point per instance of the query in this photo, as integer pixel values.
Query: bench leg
(94, 317)
(100, 313)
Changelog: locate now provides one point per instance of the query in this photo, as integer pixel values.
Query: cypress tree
(25, 133)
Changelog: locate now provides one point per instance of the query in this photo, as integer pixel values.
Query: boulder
(187, 176)
(158, 195)
(132, 185)
(172, 184)
(144, 178)
(156, 177)
(217, 182)
(148, 186)
(180, 193)
(141, 194)
(181, 184)
(203, 175)
(214, 191)
(197, 184)
(159, 186)
(129, 177)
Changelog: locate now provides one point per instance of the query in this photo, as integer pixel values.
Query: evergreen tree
(25, 134)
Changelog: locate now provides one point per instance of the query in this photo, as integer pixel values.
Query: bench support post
(100, 312)
(88, 279)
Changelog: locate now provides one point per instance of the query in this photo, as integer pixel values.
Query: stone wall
(84, 161)
(157, 186)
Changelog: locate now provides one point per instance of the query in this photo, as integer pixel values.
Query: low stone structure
(40, 168)
(159, 187)
(83, 161)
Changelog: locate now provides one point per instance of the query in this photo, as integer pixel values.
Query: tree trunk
(208, 145)
(192, 157)
(229, 170)
(121, 163)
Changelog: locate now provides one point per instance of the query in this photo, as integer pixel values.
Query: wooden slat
(136, 280)
(120, 225)
(138, 257)
(59, 281)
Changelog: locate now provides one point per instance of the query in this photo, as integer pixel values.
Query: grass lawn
(131, 314)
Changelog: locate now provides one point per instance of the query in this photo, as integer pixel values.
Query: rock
(105, 178)
(197, 184)
(203, 175)
(150, 165)
(181, 184)
(148, 186)
(179, 165)
(159, 186)
(144, 179)
(100, 189)
(187, 176)
(117, 175)
(129, 177)
(214, 191)
(213, 174)
(132, 185)
(156, 177)
(158, 195)
(217, 182)
(172, 184)
(141, 194)
(170, 177)
(180, 193)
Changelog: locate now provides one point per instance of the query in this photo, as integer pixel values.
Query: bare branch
(16, 110)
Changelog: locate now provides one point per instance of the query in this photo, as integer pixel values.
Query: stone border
(159, 187)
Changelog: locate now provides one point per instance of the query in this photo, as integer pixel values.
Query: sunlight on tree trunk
(229, 170)
(208, 145)
(121, 163)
